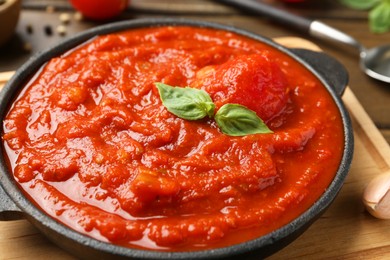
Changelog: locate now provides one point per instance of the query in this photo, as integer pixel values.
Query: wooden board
(345, 231)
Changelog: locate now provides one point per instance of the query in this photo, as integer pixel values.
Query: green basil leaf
(360, 4)
(237, 120)
(379, 18)
(186, 103)
(193, 104)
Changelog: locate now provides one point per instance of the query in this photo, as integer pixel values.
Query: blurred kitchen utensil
(9, 16)
(375, 62)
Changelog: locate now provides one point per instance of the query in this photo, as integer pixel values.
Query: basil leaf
(186, 103)
(193, 104)
(360, 4)
(379, 18)
(237, 120)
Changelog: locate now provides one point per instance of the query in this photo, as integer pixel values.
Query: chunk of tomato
(252, 80)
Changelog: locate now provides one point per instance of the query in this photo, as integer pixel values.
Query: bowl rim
(24, 74)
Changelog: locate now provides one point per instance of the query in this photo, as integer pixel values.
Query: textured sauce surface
(89, 141)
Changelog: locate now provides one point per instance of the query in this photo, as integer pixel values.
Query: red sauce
(90, 142)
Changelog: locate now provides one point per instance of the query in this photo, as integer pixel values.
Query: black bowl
(13, 203)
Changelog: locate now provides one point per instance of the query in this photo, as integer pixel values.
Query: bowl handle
(332, 71)
(8, 209)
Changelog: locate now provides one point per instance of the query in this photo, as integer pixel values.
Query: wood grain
(5, 76)
(345, 231)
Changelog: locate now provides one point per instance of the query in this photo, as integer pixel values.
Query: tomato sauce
(90, 142)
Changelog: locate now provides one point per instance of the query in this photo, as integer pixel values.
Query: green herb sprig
(194, 104)
(379, 15)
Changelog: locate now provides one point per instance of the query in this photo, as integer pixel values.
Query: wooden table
(331, 236)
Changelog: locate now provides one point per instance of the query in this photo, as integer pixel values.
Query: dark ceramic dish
(13, 204)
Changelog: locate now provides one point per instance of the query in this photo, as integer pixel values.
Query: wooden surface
(345, 231)
(373, 95)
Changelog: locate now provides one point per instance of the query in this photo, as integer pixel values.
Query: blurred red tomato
(293, 1)
(100, 9)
